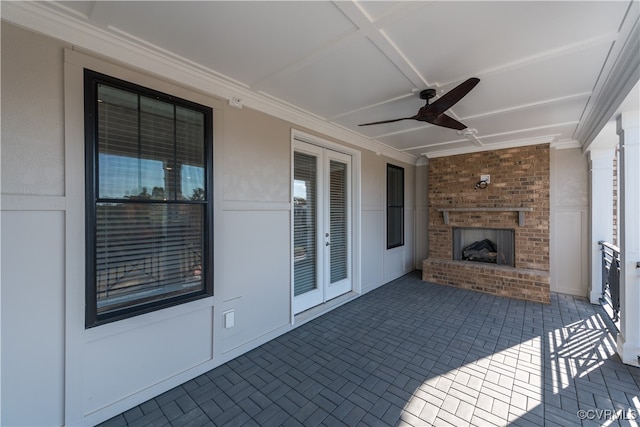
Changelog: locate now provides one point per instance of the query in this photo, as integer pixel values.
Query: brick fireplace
(517, 198)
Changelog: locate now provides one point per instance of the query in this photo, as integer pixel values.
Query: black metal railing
(610, 298)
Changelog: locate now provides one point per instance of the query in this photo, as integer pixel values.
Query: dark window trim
(92, 318)
(394, 206)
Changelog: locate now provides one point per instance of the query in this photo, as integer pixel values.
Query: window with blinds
(395, 206)
(149, 209)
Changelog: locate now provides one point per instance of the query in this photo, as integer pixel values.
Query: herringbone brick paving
(412, 353)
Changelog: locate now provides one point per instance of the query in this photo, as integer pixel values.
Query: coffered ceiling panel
(538, 116)
(246, 41)
(546, 134)
(378, 9)
(407, 105)
(341, 81)
(453, 147)
(449, 41)
(567, 75)
(422, 135)
(504, 140)
(550, 71)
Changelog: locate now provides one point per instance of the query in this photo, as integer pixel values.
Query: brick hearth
(519, 179)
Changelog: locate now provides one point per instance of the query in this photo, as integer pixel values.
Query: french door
(321, 225)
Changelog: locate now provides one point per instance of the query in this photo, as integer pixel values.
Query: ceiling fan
(434, 113)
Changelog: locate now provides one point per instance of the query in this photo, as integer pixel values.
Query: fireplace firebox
(489, 245)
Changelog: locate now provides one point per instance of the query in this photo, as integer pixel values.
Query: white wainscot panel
(32, 318)
(409, 242)
(254, 266)
(120, 365)
(570, 253)
(393, 263)
(399, 261)
(373, 246)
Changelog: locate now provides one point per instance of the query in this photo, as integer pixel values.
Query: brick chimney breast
(520, 178)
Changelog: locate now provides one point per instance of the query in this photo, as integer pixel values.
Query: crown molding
(422, 161)
(620, 74)
(565, 145)
(111, 44)
(490, 147)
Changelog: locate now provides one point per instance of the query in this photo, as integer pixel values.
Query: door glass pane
(304, 223)
(338, 219)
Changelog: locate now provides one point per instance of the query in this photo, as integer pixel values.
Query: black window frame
(395, 203)
(92, 318)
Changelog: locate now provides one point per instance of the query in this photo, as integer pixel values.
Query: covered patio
(416, 353)
(214, 212)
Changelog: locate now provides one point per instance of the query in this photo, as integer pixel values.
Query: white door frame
(355, 205)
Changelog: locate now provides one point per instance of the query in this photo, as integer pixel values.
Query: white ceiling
(549, 71)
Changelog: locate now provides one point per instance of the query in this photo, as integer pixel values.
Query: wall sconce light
(483, 183)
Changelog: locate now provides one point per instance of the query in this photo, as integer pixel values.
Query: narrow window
(395, 206)
(148, 199)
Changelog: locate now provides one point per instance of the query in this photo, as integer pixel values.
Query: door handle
(327, 244)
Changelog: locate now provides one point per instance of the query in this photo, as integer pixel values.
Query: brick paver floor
(412, 353)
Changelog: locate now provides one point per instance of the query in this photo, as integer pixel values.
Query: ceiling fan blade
(446, 121)
(386, 121)
(447, 100)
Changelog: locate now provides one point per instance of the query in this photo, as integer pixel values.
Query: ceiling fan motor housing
(427, 94)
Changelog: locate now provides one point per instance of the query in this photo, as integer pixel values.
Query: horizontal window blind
(146, 251)
(305, 222)
(338, 220)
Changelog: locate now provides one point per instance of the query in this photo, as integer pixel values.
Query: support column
(628, 125)
(601, 207)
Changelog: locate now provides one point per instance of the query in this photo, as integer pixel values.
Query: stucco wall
(77, 376)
